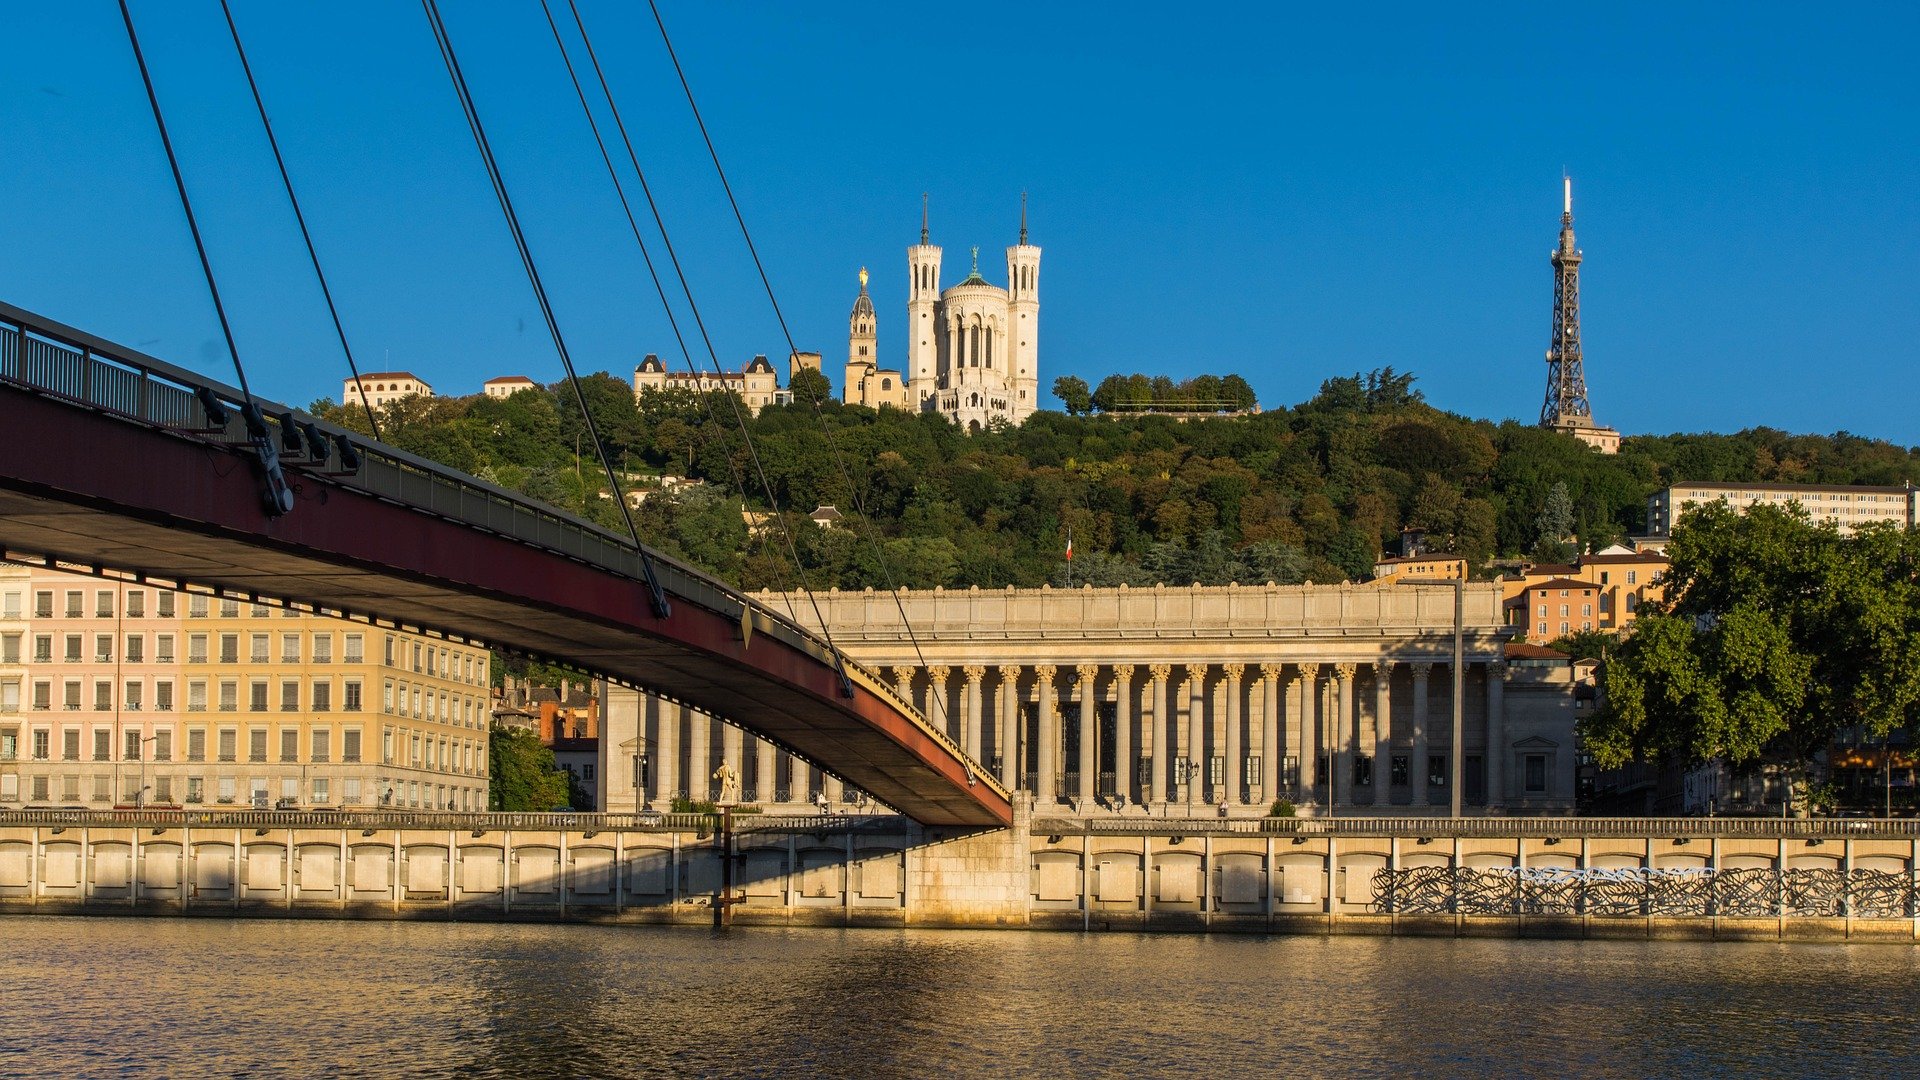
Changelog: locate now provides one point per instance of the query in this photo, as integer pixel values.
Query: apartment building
(1601, 591)
(132, 695)
(1851, 506)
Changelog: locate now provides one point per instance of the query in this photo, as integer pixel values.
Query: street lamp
(140, 797)
(1454, 755)
(637, 749)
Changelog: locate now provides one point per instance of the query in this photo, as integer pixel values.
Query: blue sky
(1285, 193)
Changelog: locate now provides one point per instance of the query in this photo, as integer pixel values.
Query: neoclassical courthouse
(1171, 700)
(972, 350)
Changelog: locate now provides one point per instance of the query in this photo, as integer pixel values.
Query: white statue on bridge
(729, 778)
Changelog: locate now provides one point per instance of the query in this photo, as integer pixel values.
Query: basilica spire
(923, 217)
(1023, 219)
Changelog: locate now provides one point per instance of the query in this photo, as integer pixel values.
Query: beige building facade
(384, 388)
(1850, 506)
(132, 695)
(756, 384)
(507, 385)
(1177, 700)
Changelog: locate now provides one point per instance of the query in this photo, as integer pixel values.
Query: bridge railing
(52, 358)
(1435, 828)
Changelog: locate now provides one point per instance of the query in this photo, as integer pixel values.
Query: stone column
(763, 785)
(1496, 734)
(699, 755)
(937, 712)
(971, 724)
(667, 717)
(799, 780)
(1306, 742)
(834, 790)
(1196, 695)
(1236, 755)
(1089, 737)
(903, 683)
(1008, 699)
(1383, 734)
(1123, 753)
(1047, 759)
(1156, 789)
(733, 756)
(1341, 745)
(1270, 746)
(1421, 718)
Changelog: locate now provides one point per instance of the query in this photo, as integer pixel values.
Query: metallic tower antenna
(1566, 405)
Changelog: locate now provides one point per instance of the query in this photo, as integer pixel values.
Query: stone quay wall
(1734, 879)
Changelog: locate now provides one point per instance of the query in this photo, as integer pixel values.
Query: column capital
(1499, 669)
(1160, 672)
(974, 672)
(1123, 672)
(1045, 673)
(1308, 672)
(1383, 668)
(1234, 671)
(1270, 672)
(1087, 672)
(939, 672)
(1344, 672)
(1009, 673)
(1421, 669)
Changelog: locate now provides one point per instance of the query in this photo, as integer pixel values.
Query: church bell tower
(923, 293)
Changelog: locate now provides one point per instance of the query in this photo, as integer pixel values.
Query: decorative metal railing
(1535, 828)
(445, 821)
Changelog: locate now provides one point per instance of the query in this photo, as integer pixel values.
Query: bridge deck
(110, 488)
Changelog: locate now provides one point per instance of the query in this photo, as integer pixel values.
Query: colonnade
(1172, 737)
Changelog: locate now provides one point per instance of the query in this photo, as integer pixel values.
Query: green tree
(524, 776)
(1554, 526)
(810, 387)
(1779, 635)
(1073, 393)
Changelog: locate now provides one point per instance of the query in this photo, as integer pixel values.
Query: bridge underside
(85, 487)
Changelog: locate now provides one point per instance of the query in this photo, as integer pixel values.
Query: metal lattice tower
(1566, 405)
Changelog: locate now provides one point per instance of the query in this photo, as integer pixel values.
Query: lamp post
(1454, 754)
(642, 758)
(140, 797)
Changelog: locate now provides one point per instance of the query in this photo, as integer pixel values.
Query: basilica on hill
(972, 349)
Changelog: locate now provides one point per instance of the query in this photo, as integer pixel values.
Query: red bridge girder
(88, 487)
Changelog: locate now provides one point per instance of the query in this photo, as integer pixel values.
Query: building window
(289, 648)
(1633, 577)
(43, 605)
(258, 652)
(163, 604)
(103, 648)
(257, 744)
(322, 696)
(257, 696)
(74, 603)
(196, 607)
(350, 745)
(136, 649)
(136, 604)
(163, 697)
(350, 697)
(289, 744)
(102, 744)
(1536, 774)
(229, 648)
(322, 739)
(103, 604)
(1436, 770)
(197, 744)
(289, 696)
(323, 649)
(355, 648)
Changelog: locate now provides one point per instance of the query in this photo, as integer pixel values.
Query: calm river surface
(193, 997)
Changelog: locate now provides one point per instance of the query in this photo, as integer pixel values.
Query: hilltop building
(1567, 409)
(757, 384)
(1851, 506)
(972, 349)
(384, 387)
(507, 385)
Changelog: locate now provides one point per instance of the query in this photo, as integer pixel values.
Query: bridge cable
(859, 504)
(278, 497)
(373, 421)
(656, 595)
(700, 322)
(619, 189)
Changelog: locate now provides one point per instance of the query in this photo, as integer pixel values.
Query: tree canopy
(1777, 636)
(1315, 491)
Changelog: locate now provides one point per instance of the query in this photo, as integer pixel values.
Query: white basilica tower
(973, 349)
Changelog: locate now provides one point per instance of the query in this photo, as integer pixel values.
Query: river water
(204, 997)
